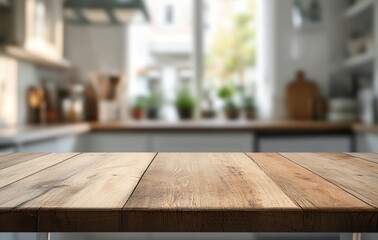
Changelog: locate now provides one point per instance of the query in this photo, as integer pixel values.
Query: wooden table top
(186, 192)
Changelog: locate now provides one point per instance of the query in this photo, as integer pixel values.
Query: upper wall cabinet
(43, 29)
(33, 29)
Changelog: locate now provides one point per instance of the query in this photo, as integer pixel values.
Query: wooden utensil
(301, 95)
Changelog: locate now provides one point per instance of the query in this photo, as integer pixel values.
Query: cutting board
(301, 97)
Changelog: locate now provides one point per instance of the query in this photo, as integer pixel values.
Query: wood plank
(208, 192)
(84, 193)
(16, 158)
(358, 177)
(317, 196)
(4, 153)
(373, 157)
(16, 172)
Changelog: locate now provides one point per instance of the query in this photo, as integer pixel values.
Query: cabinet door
(44, 28)
(7, 150)
(202, 142)
(308, 143)
(114, 142)
(367, 143)
(63, 144)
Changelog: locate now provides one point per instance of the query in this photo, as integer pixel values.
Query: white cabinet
(310, 143)
(62, 144)
(367, 143)
(166, 142)
(33, 30)
(115, 142)
(199, 142)
(203, 142)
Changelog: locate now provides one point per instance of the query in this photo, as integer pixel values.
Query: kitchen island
(189, 192)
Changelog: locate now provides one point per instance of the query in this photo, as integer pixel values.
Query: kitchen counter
(369, 129)
(188, 192)
(211, 125)
(25, 134)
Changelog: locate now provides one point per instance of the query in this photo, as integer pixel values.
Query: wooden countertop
(212, 125)
(363, 128)
(185, 192)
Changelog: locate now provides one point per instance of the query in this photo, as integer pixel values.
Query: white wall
(31, 75)
(97, 49)
(16, 77)
(285, 50)
(8, 91)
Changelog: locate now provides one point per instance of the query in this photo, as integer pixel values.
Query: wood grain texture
(267, 192)
(84, 193)
(24, 169)
(355, 176)
(373, 157)
(317, 196)
(4, 153)
(16, 158)
(179, 186)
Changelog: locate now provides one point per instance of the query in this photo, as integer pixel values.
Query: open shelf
(359, 8)
(360, 60)
(21, 54)
(356, 62)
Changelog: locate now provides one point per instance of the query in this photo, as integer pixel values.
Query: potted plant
(231, 110)
(137, 111)
(249, 108)
(185, 105)
(153, 105)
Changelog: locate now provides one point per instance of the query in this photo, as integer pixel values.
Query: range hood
(105, 11)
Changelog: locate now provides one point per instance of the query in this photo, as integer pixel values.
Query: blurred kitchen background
(188, 75)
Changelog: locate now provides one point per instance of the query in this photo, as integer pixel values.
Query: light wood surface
(29, 167)
(358, 177)
(367, 156)
(86, 190)
(4, 153)
(13, 159)
(254, 192)
(312, 192)
(214, 182)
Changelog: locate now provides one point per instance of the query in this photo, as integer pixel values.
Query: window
(230, 47)
(166, 54)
